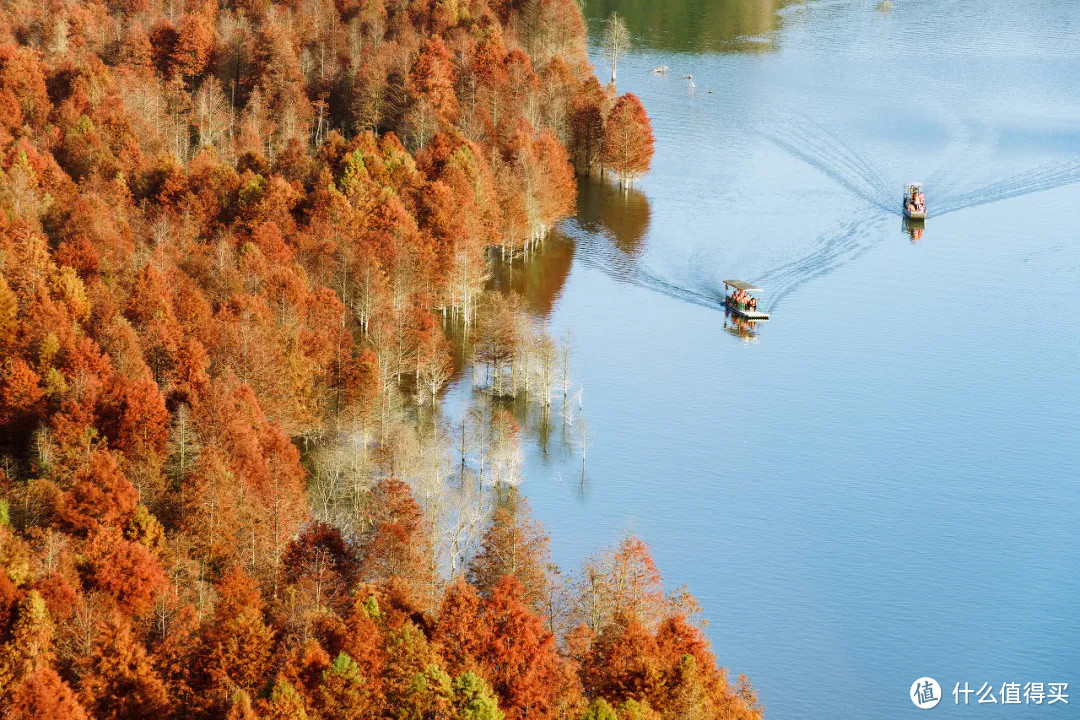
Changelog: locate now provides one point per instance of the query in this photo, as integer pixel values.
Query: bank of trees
(235, 241)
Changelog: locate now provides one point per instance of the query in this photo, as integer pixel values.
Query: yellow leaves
(31, 641)
(15, 557)
(9, 310)
(55, 384)
(145, 528)
(354, 173)
(67, 287)
(253, 189)
(47, 353)
(81, 127)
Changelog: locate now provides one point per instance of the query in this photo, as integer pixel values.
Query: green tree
(599, 709)
(473, 699)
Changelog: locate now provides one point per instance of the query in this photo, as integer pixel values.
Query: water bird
(885, 6)
(690, 81)
(661, 70)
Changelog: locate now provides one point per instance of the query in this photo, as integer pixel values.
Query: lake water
(881, 483)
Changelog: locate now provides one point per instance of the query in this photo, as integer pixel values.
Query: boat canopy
(741, 285)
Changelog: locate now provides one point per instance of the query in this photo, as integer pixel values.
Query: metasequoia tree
(44, 695)
(628, 140)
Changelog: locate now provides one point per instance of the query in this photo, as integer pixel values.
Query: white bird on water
(690, 81)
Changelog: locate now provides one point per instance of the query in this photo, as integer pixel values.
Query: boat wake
(841, 244)
(850, 237)
(1045, 177)
(830, 155)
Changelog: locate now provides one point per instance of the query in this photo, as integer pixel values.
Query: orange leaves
(400, 543)
(189, 285)
(22, 76)
(44, 695)
(431, 80)
(628, 139)
(514, 545)
(133, 417)
(121, 682)
(194, 43)
(100, 496)
(237, 645)
(126, 571)
(19, 391)
(518, 656)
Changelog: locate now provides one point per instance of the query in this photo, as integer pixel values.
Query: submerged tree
(628, 140)
(616, 41)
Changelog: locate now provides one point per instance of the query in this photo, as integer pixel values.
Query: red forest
(235, 240)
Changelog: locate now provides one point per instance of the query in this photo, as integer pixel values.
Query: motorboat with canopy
(914, 202)
(739, 299)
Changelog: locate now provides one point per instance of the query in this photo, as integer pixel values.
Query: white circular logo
(925, 693)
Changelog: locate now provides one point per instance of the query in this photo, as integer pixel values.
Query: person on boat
(752, 303)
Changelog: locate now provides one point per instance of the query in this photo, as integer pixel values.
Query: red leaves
(400, 544)
(126, 571)
(19, 392)
(628, 138)
(321, 564)
(100, 496)
(44, 695)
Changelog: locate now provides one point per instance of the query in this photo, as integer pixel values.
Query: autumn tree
(399, 544)
(514, 545)
(43, 696)
(518, 656)
(237, 645)
(321, 564)
(628, 140)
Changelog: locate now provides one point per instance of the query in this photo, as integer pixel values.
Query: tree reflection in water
(742, 26)
(621, 215)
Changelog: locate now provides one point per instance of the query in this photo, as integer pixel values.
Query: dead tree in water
(616, 41)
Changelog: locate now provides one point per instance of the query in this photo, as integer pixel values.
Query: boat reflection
(742, 328)
(913, 229)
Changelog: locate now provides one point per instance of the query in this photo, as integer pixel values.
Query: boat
(914, 202)
(740, 308)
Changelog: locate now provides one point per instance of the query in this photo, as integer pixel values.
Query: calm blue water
(883, 483)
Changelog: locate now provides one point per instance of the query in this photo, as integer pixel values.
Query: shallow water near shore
(880, 483)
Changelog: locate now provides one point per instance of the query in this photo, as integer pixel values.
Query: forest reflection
(538, 277)
(701, 26)
(622, 216)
